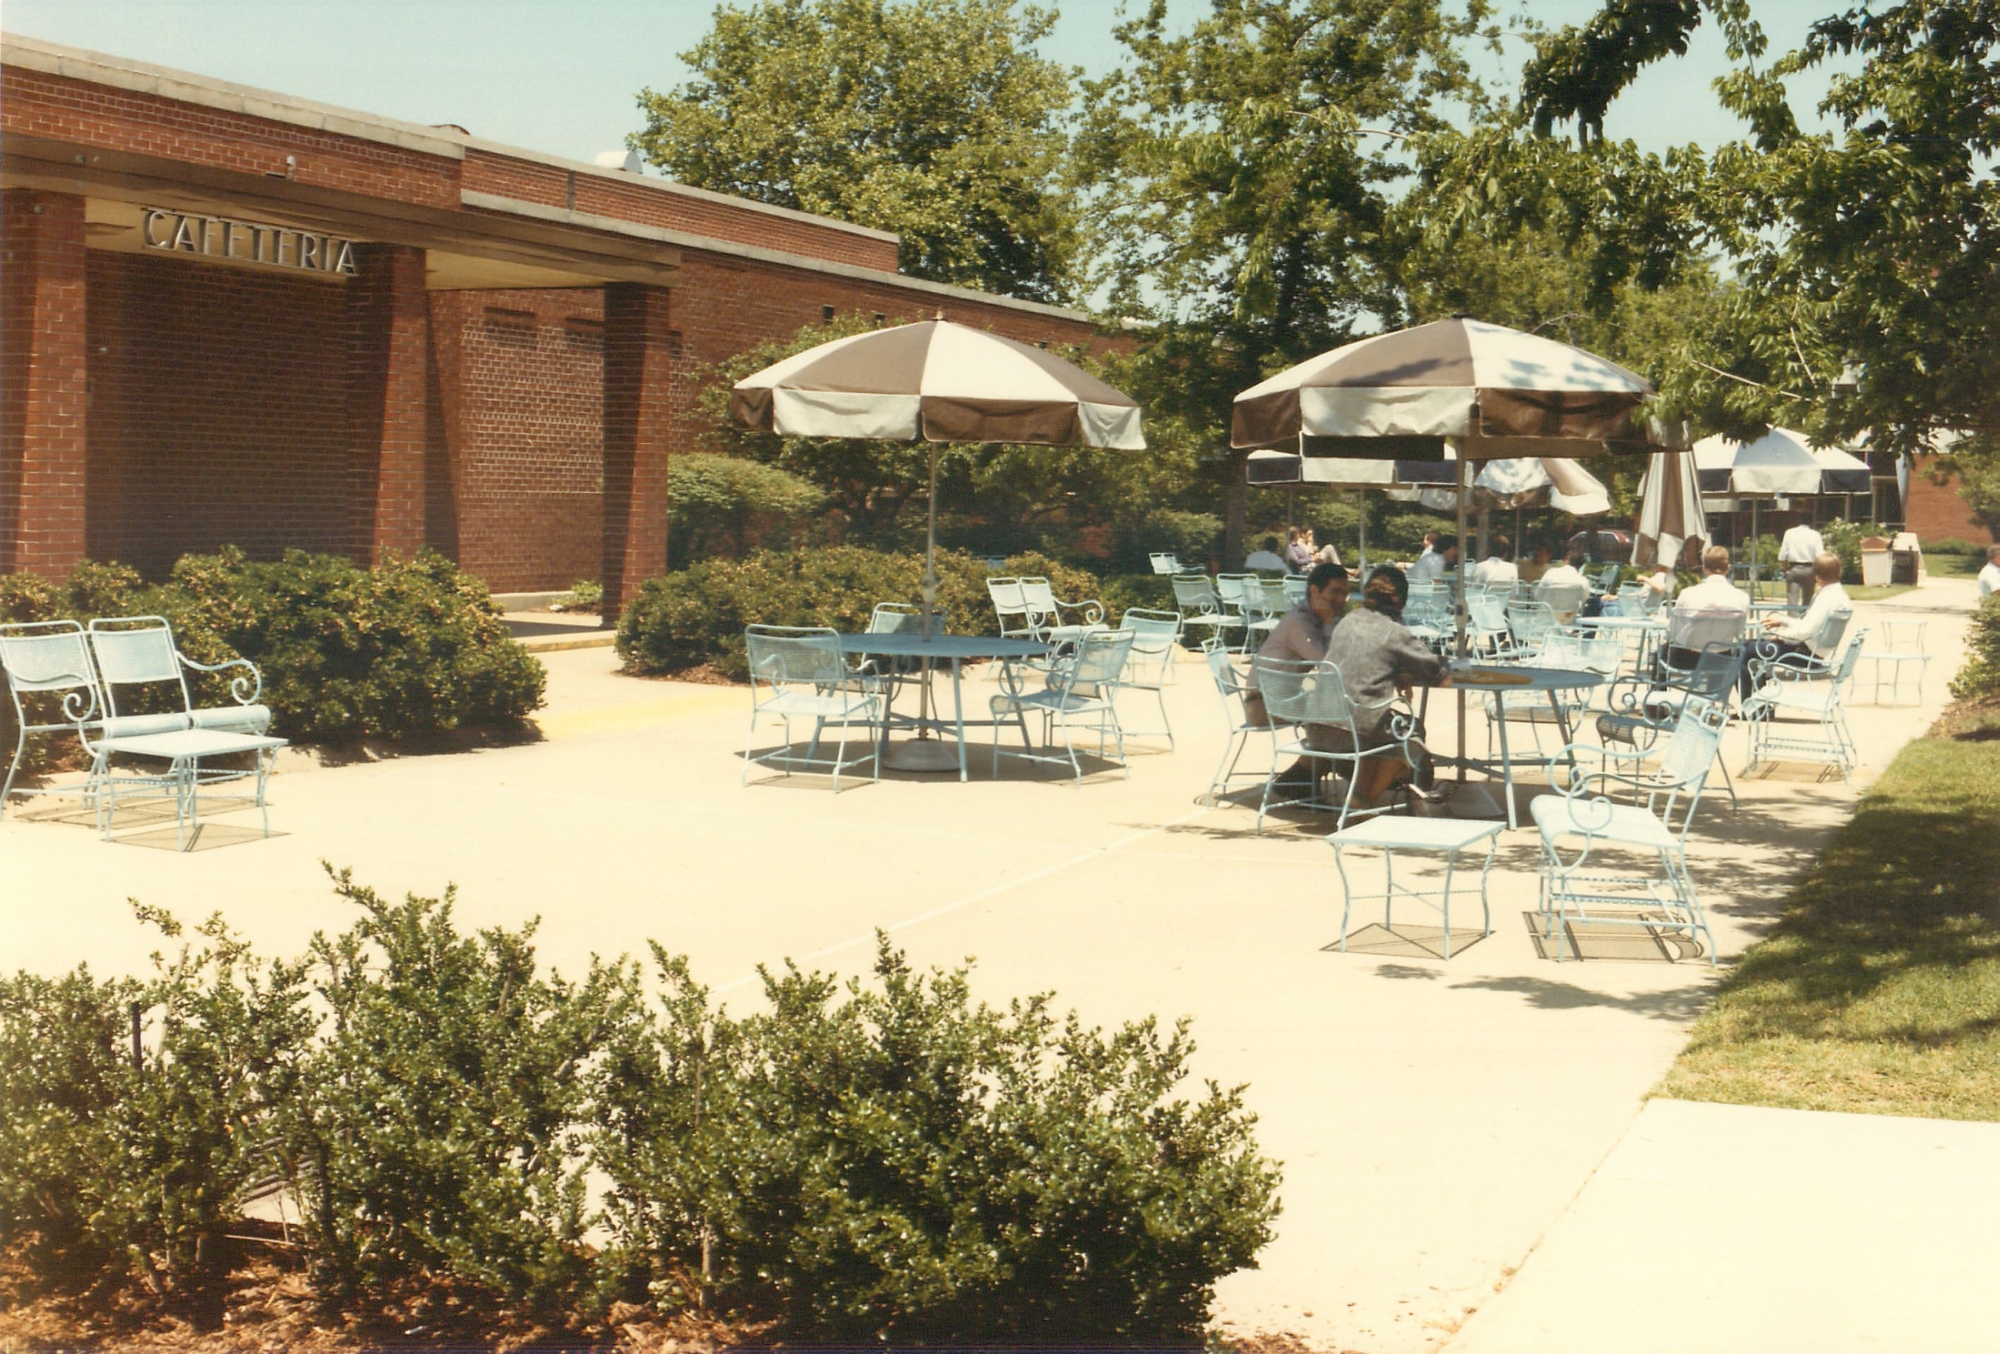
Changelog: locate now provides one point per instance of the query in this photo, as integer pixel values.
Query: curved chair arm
(255, 681)
(1790, 667)
(1092, 609)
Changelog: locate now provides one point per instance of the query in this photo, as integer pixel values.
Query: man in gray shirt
(1380, 659)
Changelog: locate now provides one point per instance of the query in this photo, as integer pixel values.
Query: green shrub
(408, 647)
(717, 505)
(1121, 592)
(1190, 537)
(900, 1164)
(585, 595)
(1979, 678)
(1844, 538)
(697, 615)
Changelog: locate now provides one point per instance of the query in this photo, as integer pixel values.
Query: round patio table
(954, 649)
(1643, 632)
(1501, 678)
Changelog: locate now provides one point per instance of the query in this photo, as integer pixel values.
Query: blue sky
(561, 75)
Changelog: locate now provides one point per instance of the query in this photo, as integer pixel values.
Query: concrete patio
(1435, 1119)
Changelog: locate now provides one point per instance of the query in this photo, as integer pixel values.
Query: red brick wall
(638, 426)
(1936, 512)
(43, 387)
(602, 196)
(35, 104)
(388, 357)
(520, 386)
(218, 411)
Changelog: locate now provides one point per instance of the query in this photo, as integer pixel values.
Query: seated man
(1565, 581)
(1298, 554)
(1379, 659)
(1301, 636)
(1808, 634)
(1497, 568)
(1714, 593)
(1266, 560)
(1432, 564)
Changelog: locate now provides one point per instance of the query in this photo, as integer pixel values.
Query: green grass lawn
(1879, 991)
(1862, 593)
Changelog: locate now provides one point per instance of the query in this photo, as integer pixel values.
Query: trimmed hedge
(409, 647)
(859, 1163)
(696, 616)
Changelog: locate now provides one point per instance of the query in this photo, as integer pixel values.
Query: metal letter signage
(220, 237)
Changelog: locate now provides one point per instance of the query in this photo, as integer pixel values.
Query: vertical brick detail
(638, 420)
(388, 398)
(44, 388)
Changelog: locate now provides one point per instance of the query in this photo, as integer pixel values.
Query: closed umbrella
(1673, 529)
(939, 382)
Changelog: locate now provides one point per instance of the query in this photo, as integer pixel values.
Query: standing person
(1297, 553)
(1989, 577)
(1796, 553)
(1432, 564)
(1380, 659)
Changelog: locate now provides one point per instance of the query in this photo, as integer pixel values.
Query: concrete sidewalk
(1726, 1229)
(1434, 1119)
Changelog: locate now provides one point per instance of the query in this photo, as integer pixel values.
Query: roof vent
(627, 160)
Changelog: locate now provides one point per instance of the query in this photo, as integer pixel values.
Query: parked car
(1608, 544)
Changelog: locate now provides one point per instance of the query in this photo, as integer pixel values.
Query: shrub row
(1979, 677)
(696, 616)
(466, 1133)
(409, 647)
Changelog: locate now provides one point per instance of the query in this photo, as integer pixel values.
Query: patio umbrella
(1778, 464)
(1342, 472)
(1673, 530)
(938, 382)
(1498, 392)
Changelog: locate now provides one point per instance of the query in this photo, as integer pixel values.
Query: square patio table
(1501, 677)
(1390, 834)
(182, 750)
(955, 649)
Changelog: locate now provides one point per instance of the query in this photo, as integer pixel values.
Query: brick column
(388, 348)
(43, 382)
(638, 421)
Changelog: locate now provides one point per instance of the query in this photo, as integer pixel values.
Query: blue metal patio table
(954, 649)
(1502, 677)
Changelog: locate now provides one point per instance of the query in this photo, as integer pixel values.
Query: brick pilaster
(638, 421)
(388, 348)
(44, 393)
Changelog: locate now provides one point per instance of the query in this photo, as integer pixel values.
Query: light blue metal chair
(1606, 863)
(1164, 562)
(1201, 610)
(1237, 724)
(1797, 707)
(54, 688)
(1046, 614)
(1149, 664)
(1080, 690)
(139, 652)
(799, 672)
(1308, 695)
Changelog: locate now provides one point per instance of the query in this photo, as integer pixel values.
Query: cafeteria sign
(220, 237)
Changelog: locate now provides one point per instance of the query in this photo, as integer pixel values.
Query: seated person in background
(1430, 546)
(1536, 566)
(1327, 555)
(1297, 553)
(1431, 565)
(1496, 568)
(1564, 581)
(1380, 659)
(1714, 593)
(1267, 559)
(1805, 635)
(1989, 577)
(1301, 636)
(1659, 583)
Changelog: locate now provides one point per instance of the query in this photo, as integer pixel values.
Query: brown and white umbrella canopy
(938, 382)
(1673, 529)
(1498, 392)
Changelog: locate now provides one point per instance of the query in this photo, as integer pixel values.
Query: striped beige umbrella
(1673, 529)
(1498, 392)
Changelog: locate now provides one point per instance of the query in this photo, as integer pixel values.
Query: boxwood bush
(696, 616)
(408, 647)
(863, 1163)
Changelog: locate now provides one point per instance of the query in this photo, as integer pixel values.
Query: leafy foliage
(719, 505)
(697, 615)
(889, 1162)
(935, 120)
(409, 647)
(1979, 678)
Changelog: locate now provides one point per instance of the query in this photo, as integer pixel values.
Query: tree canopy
(935, 119)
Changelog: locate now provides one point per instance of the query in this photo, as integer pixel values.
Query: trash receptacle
(1909, 556)
(1876, 561)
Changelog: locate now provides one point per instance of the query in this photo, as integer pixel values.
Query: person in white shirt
(1807, 634)
(1796, 554)
(1568, 574)
(1431, 565)
(1566, 584)
(1715, 592)
(1660, 581)
(1267, 560)
(1989, 577)
(1496, 568)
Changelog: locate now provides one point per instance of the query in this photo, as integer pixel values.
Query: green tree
(936, 120)
(1240, 175)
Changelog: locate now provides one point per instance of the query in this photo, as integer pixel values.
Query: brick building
(228, 316)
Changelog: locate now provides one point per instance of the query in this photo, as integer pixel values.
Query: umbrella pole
(927, 754)
(1364, 533)
(1458, 612)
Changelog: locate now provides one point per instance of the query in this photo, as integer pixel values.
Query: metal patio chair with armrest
(54, 688)
(1242, 596)
(1232, 687)
(139, 663)
(1641, 711)
(889, 673)
(1265, 603)
(1902, 646)
(1303, 695)
(1164, 562)
(1010, 607)
(1046, 614)
(1080, 689)
(1149, 664)
(1200, 608)
(1564, 600)
(1813, 690)
(799, 672)
(1652, 888)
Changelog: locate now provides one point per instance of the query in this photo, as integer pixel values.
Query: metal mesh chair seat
(1615, 824)
(54, 687)
(799, 672)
